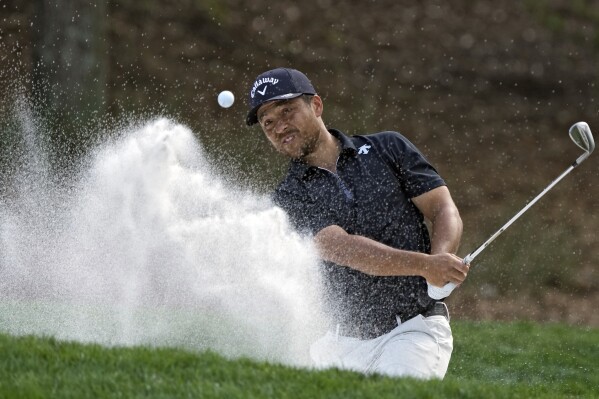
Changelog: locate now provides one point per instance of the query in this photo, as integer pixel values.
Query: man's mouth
(288, 139)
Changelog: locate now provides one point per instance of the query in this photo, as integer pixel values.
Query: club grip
(443, 292)
(440, 292)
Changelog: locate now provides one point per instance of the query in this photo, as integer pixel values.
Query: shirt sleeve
(415, 173)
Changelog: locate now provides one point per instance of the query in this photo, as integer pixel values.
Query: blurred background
(486, 89)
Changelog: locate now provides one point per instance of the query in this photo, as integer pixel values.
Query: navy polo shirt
(370, 195)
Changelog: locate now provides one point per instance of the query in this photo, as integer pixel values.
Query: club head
(580, 133)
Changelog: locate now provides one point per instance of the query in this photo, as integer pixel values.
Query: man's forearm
(437, 206)
(366, 255)
(371, 257)
(446, 231)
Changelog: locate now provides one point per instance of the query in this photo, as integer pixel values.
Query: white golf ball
(226, 99)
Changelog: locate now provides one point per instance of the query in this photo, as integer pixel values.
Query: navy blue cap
(277, 84)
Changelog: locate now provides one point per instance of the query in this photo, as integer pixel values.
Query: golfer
(364, 199)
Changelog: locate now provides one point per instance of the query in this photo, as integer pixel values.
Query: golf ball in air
(226, 99)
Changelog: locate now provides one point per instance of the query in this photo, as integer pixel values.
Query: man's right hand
(445, 268)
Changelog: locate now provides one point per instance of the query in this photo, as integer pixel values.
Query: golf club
(581, 134)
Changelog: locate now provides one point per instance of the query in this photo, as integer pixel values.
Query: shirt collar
(347, 146)
(300, 169)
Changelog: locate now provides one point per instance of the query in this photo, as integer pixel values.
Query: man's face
(291, 126)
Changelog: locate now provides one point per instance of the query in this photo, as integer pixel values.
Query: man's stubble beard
(309, 147)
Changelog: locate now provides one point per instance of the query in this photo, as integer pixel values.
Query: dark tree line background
(69, 57)
(487, 89)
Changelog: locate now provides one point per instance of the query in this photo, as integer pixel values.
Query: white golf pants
(420, 347)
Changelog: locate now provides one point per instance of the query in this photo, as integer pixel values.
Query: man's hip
(420, 347)
(370, 329)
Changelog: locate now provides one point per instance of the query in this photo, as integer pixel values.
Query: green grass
(491, 360)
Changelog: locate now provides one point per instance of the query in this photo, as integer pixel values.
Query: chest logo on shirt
(364, 149)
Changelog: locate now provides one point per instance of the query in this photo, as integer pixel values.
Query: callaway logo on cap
(277, 84)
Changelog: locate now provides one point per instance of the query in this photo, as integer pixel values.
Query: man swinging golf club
(364, 199)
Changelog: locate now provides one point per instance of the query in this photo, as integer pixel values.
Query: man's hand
(444, 268)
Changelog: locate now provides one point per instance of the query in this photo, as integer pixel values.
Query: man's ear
(317, 105)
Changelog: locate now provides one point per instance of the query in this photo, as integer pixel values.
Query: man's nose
(280, 126)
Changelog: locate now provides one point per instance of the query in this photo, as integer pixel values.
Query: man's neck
(326, 153)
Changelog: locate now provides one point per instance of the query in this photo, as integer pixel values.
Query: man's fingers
(450, 268)
(460, 273)
(457, 276)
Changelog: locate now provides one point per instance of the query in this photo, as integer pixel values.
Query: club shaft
(580, 133)
(447, 289)
(470, 257)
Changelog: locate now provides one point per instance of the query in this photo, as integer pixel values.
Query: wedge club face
(581, 135)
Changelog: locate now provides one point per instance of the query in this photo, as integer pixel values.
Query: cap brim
(252, 117)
